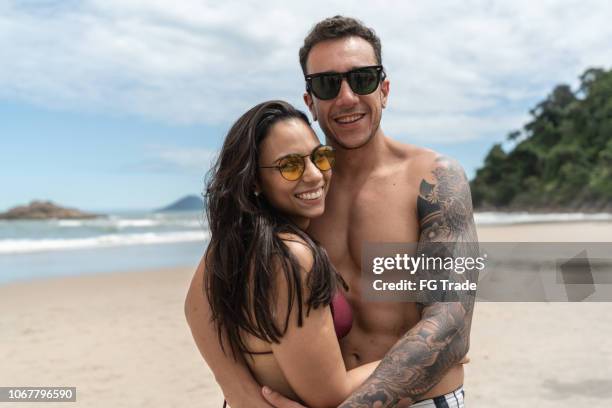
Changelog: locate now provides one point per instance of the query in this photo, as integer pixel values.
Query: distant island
(44, 210)
(187, 203)
(561, 160)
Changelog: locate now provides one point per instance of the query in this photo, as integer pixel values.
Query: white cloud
(175, 159)
(186, 158)
(459, 70)
(449, 128)
(170, 157)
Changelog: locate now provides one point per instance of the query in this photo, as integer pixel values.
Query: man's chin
(352, 142)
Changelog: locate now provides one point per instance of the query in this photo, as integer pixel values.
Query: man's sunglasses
(363, 81)
(292, 166)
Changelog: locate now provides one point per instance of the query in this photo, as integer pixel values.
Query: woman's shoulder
(299, 248)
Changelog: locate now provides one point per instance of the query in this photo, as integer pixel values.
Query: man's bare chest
(372, 214)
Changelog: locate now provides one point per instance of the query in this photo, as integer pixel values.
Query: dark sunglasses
(363, 81)
(292, 166)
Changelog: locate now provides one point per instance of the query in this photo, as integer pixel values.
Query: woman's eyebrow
(291, 154)
(284, 156)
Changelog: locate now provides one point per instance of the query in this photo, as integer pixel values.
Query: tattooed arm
(441, 338)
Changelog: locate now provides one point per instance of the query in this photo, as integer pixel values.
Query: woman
(275, 299)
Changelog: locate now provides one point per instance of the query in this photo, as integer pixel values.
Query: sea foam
(500, 218)
(20, 246)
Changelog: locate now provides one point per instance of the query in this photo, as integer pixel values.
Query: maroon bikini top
(343, 320)
(342, 314)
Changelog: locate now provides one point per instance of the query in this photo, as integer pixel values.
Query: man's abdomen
(377, 327)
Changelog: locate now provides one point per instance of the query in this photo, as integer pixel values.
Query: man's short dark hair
(339, 27)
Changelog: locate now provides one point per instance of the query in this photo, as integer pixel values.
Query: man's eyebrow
(324, 72)
(354, 67)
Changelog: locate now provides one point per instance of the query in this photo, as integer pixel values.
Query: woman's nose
(311, 172)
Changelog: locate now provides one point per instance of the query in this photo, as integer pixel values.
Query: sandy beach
(122, 340)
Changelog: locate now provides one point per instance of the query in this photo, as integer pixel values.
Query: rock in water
(44, 210)
(187, 203)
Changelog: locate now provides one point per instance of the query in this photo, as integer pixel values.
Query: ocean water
(120, 241)
(500, 218)
(125, 241)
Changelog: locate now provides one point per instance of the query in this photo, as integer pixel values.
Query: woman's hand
(277, 400)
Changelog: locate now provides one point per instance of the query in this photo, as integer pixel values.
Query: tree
(564, 158)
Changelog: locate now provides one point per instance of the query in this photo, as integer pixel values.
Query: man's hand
(277, 400)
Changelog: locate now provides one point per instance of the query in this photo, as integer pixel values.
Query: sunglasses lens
(292, 168)
(324, 158)
(364, 81)
(326, 86)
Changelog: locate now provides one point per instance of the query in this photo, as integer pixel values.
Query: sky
(123, 104)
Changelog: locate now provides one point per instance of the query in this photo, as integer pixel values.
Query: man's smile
(348, 118)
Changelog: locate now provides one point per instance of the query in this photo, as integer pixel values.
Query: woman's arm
(238, 385)
(310, 356)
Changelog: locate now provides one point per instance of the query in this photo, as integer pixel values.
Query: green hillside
(561, 159)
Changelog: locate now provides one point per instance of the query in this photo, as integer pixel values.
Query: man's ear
(310, 103)
(384, 92)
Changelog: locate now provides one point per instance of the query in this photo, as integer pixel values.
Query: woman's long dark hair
(245, 243)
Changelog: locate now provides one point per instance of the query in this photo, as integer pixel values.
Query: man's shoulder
(423, 161)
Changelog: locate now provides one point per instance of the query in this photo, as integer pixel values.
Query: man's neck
(355, 162)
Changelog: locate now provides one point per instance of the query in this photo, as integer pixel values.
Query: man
(382, 191)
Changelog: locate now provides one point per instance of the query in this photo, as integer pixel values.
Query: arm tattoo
(441, 338)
